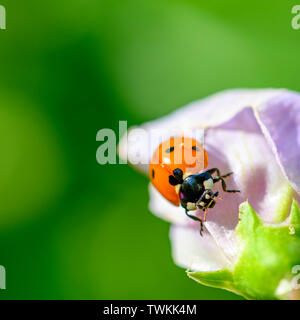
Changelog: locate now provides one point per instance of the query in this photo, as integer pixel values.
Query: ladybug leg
(227, 175)
(201, 200)
(216, 179)
(213, 170)
(196, 219)
(205, 213)
(216, 196)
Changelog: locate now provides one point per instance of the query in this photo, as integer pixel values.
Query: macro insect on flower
(251, 239)
(176, 170)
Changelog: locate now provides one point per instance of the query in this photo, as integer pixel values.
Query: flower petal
(194, 252)
(166, 210)
(239, 137)
(256, 174)
(280, 121)
(202, 114)
(256, 171)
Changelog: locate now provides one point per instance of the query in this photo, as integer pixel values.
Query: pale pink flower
(255, 134)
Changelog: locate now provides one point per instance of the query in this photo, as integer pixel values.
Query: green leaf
(295, 217)
(284, 204)
(221, 279)
(267, 255)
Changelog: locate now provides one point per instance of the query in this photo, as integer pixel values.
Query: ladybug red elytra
(176, 171)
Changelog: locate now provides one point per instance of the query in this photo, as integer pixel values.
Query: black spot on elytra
(170, 150)
(195, 148)
(153, 174)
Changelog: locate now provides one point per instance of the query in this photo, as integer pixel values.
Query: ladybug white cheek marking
(202, 204)
(208, 184)
(191, 206)
(207, 196)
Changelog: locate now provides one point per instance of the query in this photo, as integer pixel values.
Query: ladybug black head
(176, 178)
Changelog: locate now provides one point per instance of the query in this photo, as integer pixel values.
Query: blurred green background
(70, 228)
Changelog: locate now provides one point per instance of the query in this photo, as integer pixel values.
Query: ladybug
(176, 171)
